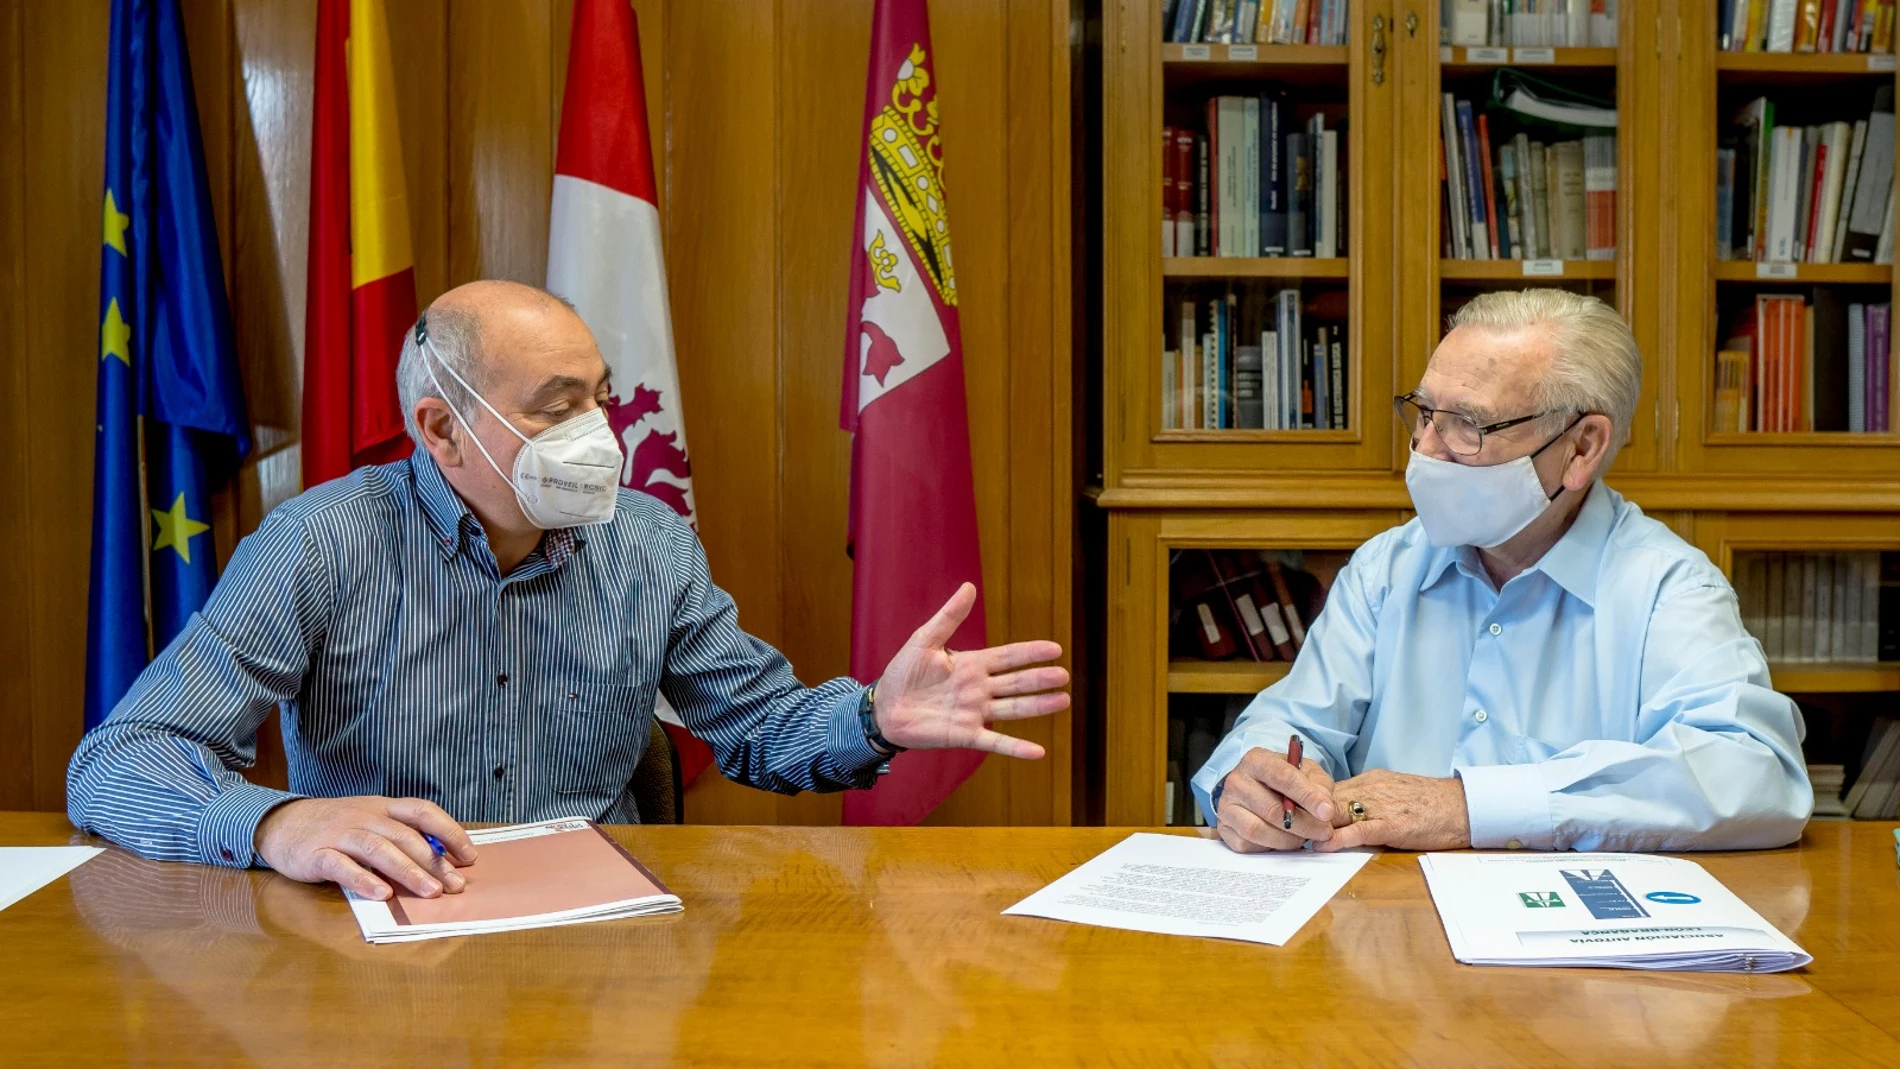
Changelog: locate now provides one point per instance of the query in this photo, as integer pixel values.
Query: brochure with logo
(1611, 911)
(525, 876)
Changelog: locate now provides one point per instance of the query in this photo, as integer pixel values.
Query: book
(1248, 414)
(1458, 219)
(1725, 157)
(1272, 176)
(1299, 233)
(1873, 192)
(1567, 199)
(1203, 198)
(1539, 210)
(1326, 241)
(1337, 369)
(1508, 185)
(1599, 190)
(1780, 26)
(540, 875)
(1857, 143)
(1488, 183)
(1476, 224)
(1879, 360)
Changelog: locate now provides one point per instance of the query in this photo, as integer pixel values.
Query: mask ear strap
(1552, 496)
(424, 345)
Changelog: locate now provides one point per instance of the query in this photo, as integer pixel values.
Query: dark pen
(1292, 758)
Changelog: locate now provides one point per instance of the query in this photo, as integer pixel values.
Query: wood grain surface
(827, 946)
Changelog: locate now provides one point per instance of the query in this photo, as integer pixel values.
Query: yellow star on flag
(116, 222)
(176, 530)
(115, 335)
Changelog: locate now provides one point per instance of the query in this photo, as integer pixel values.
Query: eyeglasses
(1461, 434)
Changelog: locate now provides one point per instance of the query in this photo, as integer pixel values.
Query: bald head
(485, 332)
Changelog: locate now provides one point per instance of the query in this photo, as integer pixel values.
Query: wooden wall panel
(63, 72)
(755, 111)
(501, 147)
(17, 695)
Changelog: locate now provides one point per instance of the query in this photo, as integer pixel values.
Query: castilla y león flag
(913, 507)
(604, 255)
(361, 293)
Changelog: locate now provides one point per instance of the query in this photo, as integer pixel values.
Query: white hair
(455, 339)
(1595, 365)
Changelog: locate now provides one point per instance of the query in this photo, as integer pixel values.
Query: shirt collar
(1572, 563)
(450, 520)
(442, 507)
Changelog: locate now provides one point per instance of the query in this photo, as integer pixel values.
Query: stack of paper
(1617, 911)
(525, 876)
(1180, 885)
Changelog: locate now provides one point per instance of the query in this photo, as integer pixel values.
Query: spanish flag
(362, 280)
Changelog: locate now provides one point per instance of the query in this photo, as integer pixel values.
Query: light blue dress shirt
(1607, 698)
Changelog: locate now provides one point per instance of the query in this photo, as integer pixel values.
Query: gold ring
(1357, 810)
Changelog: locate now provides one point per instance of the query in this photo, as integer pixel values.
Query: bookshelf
(1166, 490)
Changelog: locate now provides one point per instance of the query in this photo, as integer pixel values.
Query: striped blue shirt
(373, 611)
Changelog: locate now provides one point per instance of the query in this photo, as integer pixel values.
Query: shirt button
(501, 680)
(1514, 845)
(1481, 716)
(1497, 629)
(498, 771)
(227, 855)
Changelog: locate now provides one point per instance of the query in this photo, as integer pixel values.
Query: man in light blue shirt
(1532, 662)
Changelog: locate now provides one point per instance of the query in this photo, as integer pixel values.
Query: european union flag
(170, 404)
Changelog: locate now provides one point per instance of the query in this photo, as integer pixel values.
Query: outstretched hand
(933, 698)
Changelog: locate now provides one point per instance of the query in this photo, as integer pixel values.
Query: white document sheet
(1175, 885)
(1614, 911)
(26, 869)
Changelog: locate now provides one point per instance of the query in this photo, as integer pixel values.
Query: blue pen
(435, 844)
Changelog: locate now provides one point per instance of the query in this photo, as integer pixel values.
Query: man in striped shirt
(442, 650)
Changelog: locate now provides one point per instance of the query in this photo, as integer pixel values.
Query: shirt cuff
(1206, 783)
(850, 750)
(227, 830)
(1507, 806)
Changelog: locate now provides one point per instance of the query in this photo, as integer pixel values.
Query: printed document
(1176, 885)
(1615, 911)
(525, 876)
(26, 869)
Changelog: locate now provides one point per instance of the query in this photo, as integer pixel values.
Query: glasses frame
(1431, 416)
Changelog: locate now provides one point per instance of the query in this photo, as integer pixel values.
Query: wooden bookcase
(1167, 490)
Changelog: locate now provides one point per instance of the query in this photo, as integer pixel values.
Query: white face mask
(1469, 505)
(566, 476)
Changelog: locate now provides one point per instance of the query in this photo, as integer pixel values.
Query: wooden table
(827, 946)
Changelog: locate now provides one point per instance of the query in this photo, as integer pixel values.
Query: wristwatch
(867, 721)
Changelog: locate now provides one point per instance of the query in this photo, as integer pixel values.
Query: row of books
(1527, 200)
(1806, 194)
(1254, 184)
(1558, 23)
(1805, 25)
(1874, 793)
(1812, 607)
(1265, 22)
(1805, 363)
(1257, 364)
(1242, 603)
